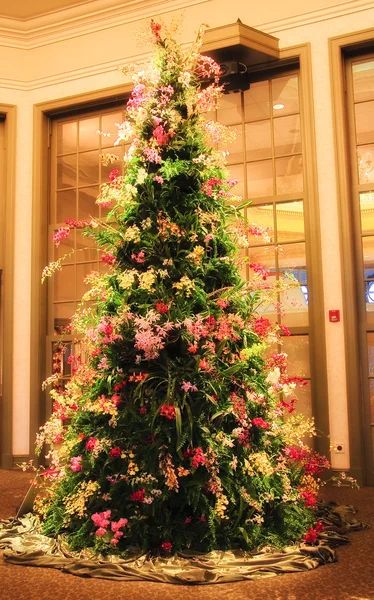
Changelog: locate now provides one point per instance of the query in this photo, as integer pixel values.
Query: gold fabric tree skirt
(23, 544)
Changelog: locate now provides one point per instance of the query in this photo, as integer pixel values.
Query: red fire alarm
(334, 316)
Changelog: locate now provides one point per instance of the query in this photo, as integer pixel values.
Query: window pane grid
(269, 147)
(362, 118)
(363, 112)
(267, 157)
(79, 172)
(259, 119)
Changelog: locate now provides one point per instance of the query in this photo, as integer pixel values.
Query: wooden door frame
(247, 37)
(339, 47)
(7, 283)
(43, 113)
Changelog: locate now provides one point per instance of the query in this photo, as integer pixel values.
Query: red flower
(315, 464)
(210, 321)
(81, 437)
(262, 327)
(311, 536)
(108, 329)
(295, 453)
(298, 380)
(197, 456)
(161, 136)
(312, 462)
(119, 386)
(115, 452)
(91, 443)
(116, 399)
(192, 348)
(74, 224)
(319, 526)
(238, 407)
(284, 330)
(61, 234)
(162, 308)
(155, 28)
(244, 439)
(260, 270)
(167, 411)
(210, 184)
(114, 174)
(54, 472)
(259, 422)
(138, 496)
(138, 377)
(288, 406)
(222, 303)
(278, 360)
(203, 364)
(167, 546)
(139, 258)
(309, 498)
(109, 258)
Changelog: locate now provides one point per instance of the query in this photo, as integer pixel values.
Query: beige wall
(66, 59)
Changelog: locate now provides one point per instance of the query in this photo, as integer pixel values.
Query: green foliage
(176, 420)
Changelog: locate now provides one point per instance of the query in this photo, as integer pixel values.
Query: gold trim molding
(76, 21)
(315, 16)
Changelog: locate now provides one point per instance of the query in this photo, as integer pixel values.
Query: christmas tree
(175, 431)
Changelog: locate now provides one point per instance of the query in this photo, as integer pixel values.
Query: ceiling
(26, 9)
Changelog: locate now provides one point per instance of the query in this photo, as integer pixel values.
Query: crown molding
(76, 21)
(315, 16)
(58, 78)
(147, 8)
(53, 11)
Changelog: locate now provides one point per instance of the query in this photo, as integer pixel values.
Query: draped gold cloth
(24, 544)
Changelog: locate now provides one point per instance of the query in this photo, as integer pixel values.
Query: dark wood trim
(7, 235)
(239, 37)
(337, 47)
(317, 334)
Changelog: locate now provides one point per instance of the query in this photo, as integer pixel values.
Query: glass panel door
(360, 90)
(267, 159)
(77, 171)
(2, 249)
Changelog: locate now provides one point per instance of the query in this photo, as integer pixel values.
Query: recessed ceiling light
(278, 106)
